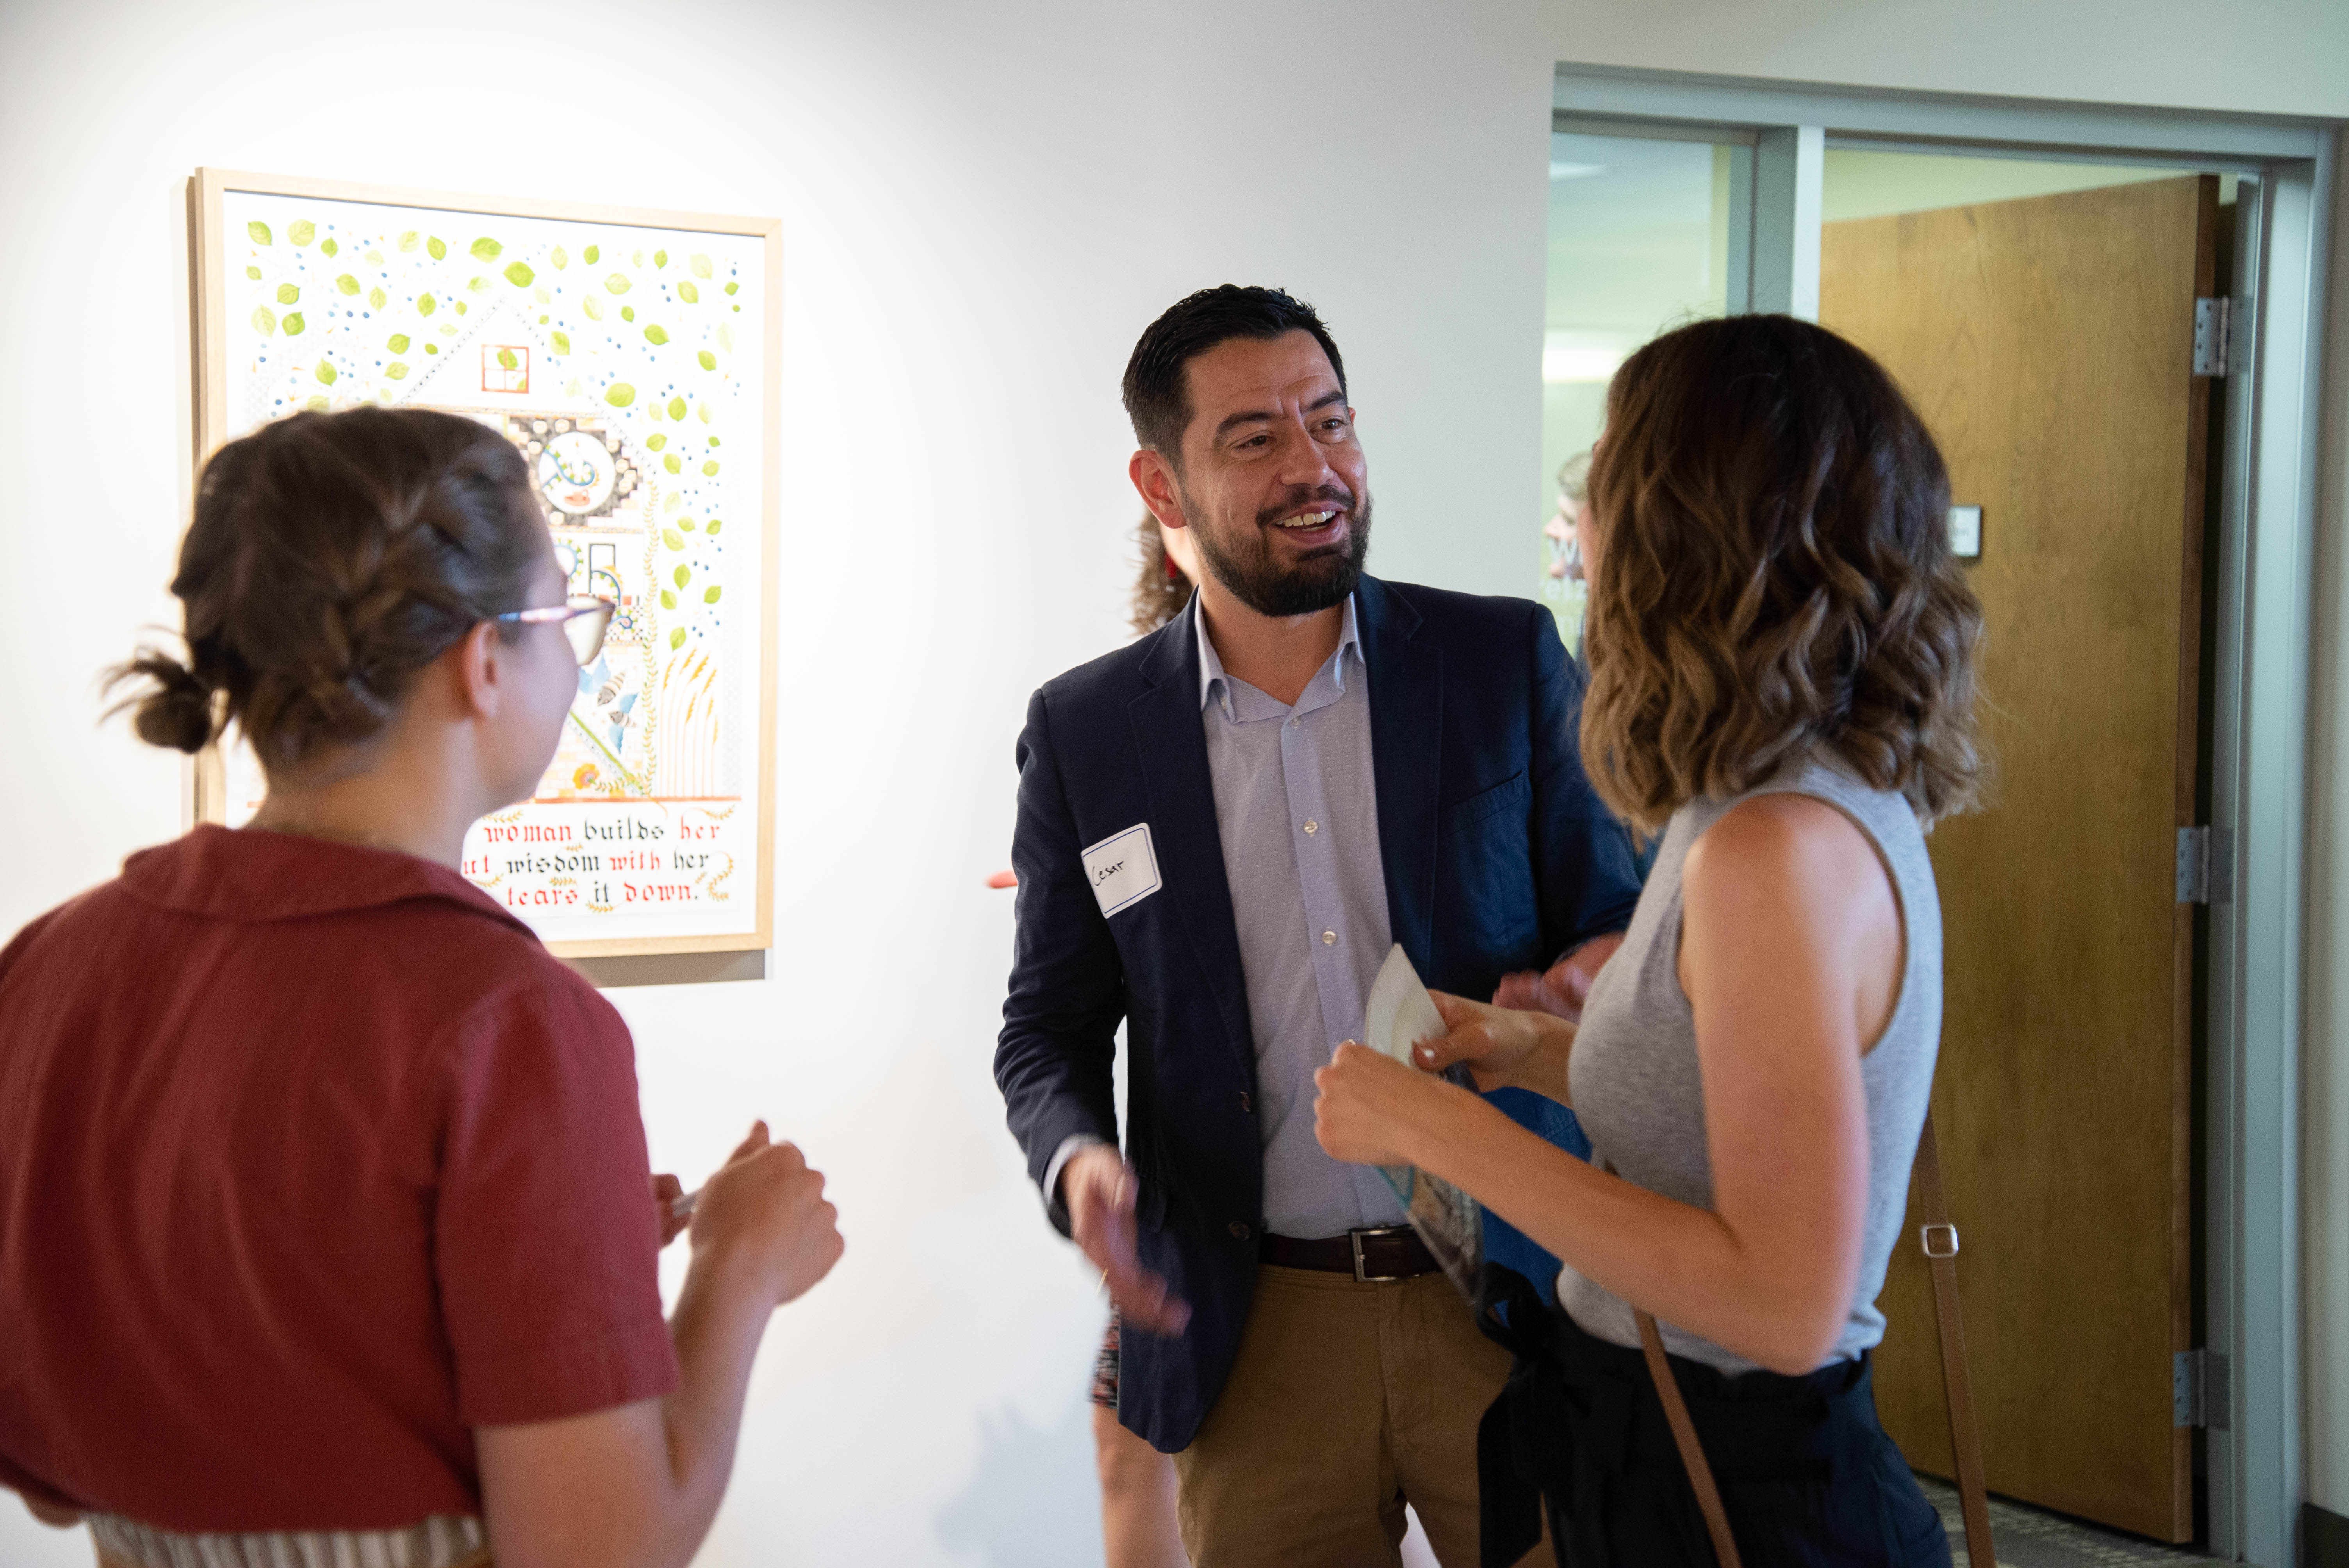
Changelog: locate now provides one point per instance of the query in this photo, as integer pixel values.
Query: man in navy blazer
(1221, 828)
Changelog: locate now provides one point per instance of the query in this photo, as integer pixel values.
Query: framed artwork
(632, 356)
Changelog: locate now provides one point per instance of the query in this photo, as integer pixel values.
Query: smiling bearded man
(1222, 830)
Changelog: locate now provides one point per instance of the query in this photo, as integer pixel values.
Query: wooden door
(2048, 342)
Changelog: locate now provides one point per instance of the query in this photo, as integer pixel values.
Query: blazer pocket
(1512, 791)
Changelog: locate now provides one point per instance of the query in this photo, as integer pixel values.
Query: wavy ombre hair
(1773, 577)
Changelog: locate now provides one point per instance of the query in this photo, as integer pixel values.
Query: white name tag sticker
(1124, 869)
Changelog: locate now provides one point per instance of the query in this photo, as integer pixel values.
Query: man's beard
(1260, 579)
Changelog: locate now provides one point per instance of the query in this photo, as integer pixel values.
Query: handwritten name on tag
(1124, 869)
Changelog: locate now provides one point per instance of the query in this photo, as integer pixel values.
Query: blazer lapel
(1406, 755)
(1172, 744)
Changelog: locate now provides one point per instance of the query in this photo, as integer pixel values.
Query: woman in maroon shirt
(324, 1210)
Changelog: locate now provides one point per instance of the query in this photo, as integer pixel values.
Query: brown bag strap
(1700, 1473)
(1940, 1242)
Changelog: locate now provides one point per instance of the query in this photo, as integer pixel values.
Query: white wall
(983, 204)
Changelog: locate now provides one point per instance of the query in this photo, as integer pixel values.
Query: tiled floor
(2033, 1538)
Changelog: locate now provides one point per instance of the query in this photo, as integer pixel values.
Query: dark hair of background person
(1156, 398)
(1161, 591)
(332, 557)
(1775, 574)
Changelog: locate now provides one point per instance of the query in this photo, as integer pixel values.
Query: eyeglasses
(584, 619)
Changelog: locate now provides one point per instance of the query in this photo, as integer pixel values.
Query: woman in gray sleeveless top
(1781, 654)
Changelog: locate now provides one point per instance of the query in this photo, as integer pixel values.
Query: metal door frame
(2267, 478)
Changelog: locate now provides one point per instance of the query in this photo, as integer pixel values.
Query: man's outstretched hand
(1099, 1188)
(1561, 992)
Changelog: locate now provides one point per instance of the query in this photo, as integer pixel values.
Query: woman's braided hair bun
(333, 556)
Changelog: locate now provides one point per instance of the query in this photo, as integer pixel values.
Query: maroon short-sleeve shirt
(312, 1160)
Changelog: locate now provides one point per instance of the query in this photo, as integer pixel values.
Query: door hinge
(2206, 865)
(2214, 337)
(2198, 1391)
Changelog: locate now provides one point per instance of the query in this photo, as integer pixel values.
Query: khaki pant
(1348, 1401)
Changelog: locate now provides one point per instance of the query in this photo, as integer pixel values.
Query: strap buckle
(1940, 1241)
(1361, 1271)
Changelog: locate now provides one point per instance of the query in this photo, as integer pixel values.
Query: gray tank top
(1634, 1074)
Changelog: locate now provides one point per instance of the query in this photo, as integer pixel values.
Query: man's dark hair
(1157, 399)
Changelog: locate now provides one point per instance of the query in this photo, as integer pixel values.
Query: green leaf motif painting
(408, 241)
(590, 255)
(519, 275)
(673, 538)
(715, 524)
(560, 257)
(656, 441)
(287, 293)
(681, 575)
(348, 283)
(668, 600)
(701, 265)
(301, 231)
(253, 273)
(324, 373)
(656, 336)
(264, 322)
(327, 247)
(378, 299)
(434, 248)
(628, 312)
(398, 344)
(672, 465)
(291, 323)
(395, 371)
(709, 360)
(618, 282)
(710, 595)
(709, 469)
(258, 232)
(562, 341)
(487, 250)
(593, 306)
(506, 360)
(677, 638)
(619, 395)
(677, 408)
(688, 292)
(660, 258)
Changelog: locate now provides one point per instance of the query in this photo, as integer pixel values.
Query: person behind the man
(1222, 829)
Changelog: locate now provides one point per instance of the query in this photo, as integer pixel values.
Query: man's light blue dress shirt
(1297, 808)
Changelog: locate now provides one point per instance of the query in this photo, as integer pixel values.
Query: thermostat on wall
(1965, 533)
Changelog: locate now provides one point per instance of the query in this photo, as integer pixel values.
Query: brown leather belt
(1373, 1255)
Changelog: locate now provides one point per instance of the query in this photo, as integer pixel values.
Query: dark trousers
(1807, 1475)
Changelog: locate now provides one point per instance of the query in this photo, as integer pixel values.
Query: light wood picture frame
(634, 357)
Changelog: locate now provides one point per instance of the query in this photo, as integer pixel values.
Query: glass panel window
(1638, 243)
